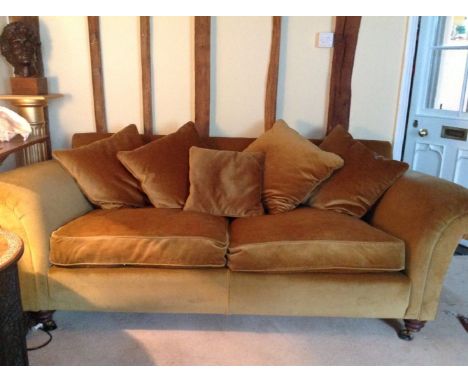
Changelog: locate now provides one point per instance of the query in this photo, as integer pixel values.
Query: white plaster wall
(5, 70)
(65, 51)
(5, 73)
(304, 75)
(241, 54)
(120, 44)
(173, 74)
(377, 75)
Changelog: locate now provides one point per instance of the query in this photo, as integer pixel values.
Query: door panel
(428, 158)
(439, 99)
(461, 168)
(432, 147)
(437, 131)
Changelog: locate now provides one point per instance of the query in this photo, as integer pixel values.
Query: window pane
(452, 31)
(446, 80)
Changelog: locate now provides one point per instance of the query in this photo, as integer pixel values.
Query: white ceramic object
(11, 123)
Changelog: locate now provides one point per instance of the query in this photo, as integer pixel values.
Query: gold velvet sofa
(389, 265)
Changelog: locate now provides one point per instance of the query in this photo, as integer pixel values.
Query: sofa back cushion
(100, 175)
(363, 179)
(162, 166)
(294, 167)
(225, 183)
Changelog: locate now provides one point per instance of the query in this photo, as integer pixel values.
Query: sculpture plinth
(29, 85)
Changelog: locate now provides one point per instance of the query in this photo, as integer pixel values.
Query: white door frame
(405, 87)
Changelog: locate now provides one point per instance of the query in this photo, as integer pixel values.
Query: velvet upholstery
(294, 167)
(307, 239)
(383, 148)
(219, 291)
(428, 214)
(100, 175)
(34, 201)
(364, 177)
(225, 183)
(162, 166)
(379, 295)
(130, 289)
(144, 236)
(431, 216)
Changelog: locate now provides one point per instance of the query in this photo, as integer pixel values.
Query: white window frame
(424, 62)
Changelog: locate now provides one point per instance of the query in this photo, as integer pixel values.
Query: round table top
(11, 248)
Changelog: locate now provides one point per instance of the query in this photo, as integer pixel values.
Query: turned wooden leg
(411, 326)
(44, 317)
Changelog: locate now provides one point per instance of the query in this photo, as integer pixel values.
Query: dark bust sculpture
(19, 44)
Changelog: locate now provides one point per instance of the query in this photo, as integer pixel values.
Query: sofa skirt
(220, 291)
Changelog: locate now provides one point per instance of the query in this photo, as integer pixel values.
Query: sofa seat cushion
(165, 237)
(308, 239)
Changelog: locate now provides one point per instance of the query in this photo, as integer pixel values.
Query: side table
(12, 329)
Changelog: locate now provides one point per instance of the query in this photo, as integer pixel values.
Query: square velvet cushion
(162, 166)
(100, 175)
(363, 179)
(294, 167)
(225, 183)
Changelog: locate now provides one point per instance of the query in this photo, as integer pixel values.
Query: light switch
(325, 40)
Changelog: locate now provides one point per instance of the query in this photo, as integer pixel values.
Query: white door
(436, 135)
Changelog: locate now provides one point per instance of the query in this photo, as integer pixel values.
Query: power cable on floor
(41, 328)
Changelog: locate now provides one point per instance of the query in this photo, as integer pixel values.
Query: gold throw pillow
(294, 167)
(100, 175)
(225, 183)
(363, 179)
(162, 166)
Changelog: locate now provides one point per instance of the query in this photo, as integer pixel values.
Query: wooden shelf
(25, 100)
(37, 97)
(17, 143)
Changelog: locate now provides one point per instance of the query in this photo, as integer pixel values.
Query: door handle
(423, 132)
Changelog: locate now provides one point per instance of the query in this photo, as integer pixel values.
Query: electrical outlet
(325, 40)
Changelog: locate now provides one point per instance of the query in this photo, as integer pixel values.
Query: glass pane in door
(452, 31)
(446, 79)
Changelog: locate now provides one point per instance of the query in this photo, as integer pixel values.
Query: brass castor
(411, 327)
(44, 317)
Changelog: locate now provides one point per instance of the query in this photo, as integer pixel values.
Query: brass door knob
(423, 132)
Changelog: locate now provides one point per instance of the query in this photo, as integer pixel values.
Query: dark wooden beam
(96, 74)
(202, 74)
(145, 46)
(272, 78)
(345, 42)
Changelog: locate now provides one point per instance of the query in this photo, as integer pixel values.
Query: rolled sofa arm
(430, 215)
(34, 201)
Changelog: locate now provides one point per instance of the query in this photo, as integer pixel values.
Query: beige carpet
(157, 339)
